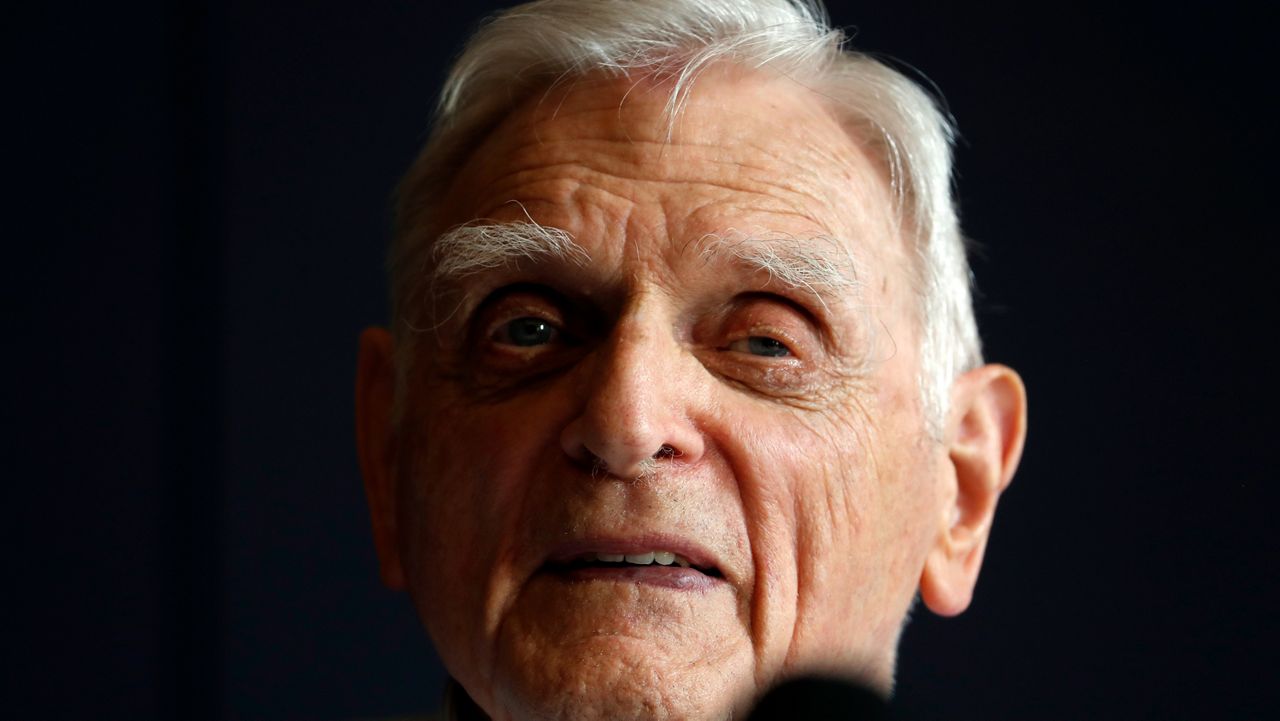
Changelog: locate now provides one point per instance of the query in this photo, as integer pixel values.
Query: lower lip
(676, 577)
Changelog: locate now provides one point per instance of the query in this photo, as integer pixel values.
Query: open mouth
(648, 559)
(657, 567)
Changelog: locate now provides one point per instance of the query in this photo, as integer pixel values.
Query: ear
(375, 442)
(984, 436)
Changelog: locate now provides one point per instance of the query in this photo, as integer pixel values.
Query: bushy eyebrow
(475, 248)
(819, 265)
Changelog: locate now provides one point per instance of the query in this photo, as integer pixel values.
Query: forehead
(743, 153)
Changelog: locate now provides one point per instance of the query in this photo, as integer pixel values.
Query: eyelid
(788, 341)
(819, 330)
(535, 300)
(511, 303)
(770, 314)
(500, 316)
(795, 302)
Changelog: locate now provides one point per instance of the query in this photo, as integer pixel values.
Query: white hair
(470, 249)
(532, 47)
(817, 265)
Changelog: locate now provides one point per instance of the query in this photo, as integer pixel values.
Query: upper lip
(698, 556)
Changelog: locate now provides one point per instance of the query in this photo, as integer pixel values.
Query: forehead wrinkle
(607, 149)
(594, 153)
(569, 189)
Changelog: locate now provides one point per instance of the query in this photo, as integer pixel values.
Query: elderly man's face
(760, 432)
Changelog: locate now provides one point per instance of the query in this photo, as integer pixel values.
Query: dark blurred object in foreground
(821, 698)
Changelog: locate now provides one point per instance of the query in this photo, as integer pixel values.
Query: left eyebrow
(819, 265)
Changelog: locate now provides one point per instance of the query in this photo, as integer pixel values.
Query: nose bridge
(629, 388)
(636, 410)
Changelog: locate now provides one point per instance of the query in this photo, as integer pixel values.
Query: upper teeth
(665, 558)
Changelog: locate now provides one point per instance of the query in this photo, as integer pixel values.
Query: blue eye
(762, 346)
(525, 332)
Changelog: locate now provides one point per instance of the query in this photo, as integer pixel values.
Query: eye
(761, 345)
(525, 332)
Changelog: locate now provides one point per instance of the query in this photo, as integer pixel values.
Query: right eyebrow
(475, 248)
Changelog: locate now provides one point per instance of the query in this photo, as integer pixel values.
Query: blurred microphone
(814, 697)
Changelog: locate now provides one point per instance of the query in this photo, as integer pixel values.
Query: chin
(612, 681)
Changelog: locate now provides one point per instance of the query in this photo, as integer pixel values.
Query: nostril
(600, 466)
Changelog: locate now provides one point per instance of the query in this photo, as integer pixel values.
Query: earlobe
(984, 438)
(375, 443)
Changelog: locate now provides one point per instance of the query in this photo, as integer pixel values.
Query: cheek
(462, 496)
(801, 476)
(835, 504)
(865, 541)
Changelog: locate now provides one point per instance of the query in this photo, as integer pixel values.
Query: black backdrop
(196, 215)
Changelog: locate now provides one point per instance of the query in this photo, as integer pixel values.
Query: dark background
(195, 223)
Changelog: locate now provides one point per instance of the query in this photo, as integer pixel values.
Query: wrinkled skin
(807, 478)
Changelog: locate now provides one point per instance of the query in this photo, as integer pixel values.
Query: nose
(638, 405)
